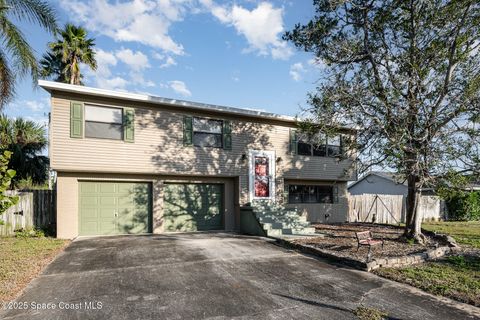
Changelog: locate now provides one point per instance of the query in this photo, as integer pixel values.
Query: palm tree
(26, 140)
(74, 48)
(16, 56)
(53, 67)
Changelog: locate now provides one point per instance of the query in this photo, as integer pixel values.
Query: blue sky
(220, 52)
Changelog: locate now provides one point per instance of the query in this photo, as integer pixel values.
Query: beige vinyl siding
(158, 147)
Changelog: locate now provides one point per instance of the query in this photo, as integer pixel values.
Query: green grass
(456, 277)
(22, 259)
(366, 313)
(464, 232)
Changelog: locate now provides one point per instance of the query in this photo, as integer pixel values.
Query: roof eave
(64, 87)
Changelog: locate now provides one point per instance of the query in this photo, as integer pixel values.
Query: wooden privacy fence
(35, 208)
(389, 209)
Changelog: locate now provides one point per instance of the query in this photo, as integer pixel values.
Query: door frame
(270, 154)
(150, 204)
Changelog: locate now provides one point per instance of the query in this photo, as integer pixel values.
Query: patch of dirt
(340, 240)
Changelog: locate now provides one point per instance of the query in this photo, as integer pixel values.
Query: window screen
(103, 122)
(207, 132)
(311, 194)
(319, 145)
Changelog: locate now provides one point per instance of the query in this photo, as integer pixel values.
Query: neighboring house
(382, 182)
(379, 182)
(133, 163)
(389, 184)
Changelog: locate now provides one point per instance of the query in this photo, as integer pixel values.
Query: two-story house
(134, 163)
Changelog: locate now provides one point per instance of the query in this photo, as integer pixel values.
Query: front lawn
(464, 232)
(456, 277)
(22, 259)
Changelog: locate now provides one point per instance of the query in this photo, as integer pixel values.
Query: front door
(261, 175)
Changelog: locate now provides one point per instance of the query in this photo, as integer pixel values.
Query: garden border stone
(382, 262)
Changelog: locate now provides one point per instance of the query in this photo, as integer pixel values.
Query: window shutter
(129, 125)
(293, 142)
(187, 131)
(227, 135)
(76, 119)
(285, 193)
(335, 194)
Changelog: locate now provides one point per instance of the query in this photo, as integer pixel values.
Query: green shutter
(293, 142)
(285, 193)
(129, 125)
(187, 131)
(76, 119)
(227, 135)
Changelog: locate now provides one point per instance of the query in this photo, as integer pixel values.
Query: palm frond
(7, 81)
(18, 47)
(35, 11)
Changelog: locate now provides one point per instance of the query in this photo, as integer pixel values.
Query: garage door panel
(89, 213)
(88, 187)
(114, 208)
(91, 201)
(192, 207)
(107, 187)
(106, 213)
(107, 227)
(87, 227)
(110, 200)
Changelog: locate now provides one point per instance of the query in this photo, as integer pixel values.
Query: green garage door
(108, 208)
(193, 207)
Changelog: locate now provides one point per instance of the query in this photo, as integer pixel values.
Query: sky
(220, 52)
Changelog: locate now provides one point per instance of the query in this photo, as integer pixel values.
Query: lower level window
(312, 194)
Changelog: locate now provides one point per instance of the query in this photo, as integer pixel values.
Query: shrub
(29, 233)
(464, 206)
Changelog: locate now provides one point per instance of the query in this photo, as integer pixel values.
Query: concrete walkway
(213, 276)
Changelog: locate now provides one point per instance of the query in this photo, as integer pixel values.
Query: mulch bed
(340, 241)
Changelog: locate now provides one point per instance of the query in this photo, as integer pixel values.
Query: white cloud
(138, 78)
(104, 59)
(105, 78)
(137, 61)
(317, 63)
(180, 88)
(115, 83)
(142, 21)
(261, 27)
(168, 63)
(34, 105)
(296, 71)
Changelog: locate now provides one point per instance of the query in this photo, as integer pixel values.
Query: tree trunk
(411, 197)
(73, 75)
(413, 220)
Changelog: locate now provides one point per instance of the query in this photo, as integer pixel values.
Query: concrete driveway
(212, 276)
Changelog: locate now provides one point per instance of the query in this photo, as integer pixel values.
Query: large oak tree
(406, 73)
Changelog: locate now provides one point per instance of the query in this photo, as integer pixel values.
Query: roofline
(375, 174)
(467, 188)
(50, 86)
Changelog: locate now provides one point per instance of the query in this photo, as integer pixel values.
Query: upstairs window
(207, 132)
(319, 145)
(103, 122)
